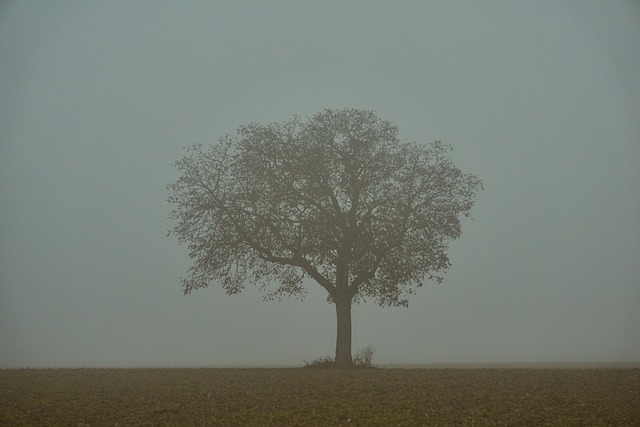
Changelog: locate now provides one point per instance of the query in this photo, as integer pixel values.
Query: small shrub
(364, 357)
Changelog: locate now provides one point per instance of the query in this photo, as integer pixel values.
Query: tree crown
(338, 198)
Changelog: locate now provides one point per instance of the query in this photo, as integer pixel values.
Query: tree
(337, 198)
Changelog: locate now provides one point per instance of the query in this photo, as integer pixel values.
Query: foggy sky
(541, 100)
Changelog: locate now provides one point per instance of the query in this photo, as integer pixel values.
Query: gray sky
(539, 99)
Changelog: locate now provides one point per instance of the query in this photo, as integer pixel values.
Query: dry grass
(314, 397)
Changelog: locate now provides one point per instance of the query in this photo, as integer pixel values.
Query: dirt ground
(320, 397)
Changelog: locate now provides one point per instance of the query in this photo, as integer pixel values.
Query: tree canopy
(338, 198)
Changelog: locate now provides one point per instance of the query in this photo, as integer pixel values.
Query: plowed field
(320, 397)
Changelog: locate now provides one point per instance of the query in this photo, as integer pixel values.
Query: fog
(541, 100)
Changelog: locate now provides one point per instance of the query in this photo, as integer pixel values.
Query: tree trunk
(343, 339)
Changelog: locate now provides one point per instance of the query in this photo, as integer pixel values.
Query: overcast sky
(539, 99)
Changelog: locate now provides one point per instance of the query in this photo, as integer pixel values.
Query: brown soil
(320, 397)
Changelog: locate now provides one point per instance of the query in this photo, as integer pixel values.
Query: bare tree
(337, 198)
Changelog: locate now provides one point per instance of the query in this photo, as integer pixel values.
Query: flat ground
(314, 397)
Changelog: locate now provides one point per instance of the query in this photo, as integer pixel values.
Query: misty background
(541, 100)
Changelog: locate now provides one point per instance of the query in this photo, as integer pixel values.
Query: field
(315, 397)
